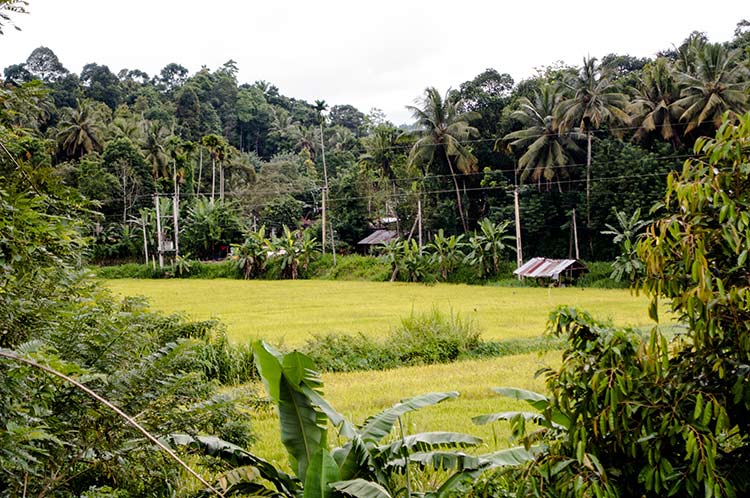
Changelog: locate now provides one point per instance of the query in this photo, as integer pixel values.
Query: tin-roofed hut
(378, 237)
(556, 271)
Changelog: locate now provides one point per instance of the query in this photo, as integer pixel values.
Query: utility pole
(323, 204)
(176, 211)
(159, 239)
(519, 246)
(325, 187)
(419, 219)
(575, 234)
(145, 240)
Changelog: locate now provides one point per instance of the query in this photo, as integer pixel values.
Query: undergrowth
(420, 339)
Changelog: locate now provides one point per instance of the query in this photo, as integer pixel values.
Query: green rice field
(289, 312)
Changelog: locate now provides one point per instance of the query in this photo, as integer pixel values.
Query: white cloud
(368, 54)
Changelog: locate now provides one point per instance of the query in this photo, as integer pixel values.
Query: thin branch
(12, 356)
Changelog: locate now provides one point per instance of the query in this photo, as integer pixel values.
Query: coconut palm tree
(547, 150)
(80, 130)
(653, 108)
(217, 148)
(594, 101)
(443, 129)
(717, 85)
(154, 137)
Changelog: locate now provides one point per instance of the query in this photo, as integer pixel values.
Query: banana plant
(375, 461)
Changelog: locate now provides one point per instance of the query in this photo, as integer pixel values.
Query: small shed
(376, 238)
(557, 270)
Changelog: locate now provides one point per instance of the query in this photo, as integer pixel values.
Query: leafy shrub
(348, 353)
(426, 338)
(433, 337)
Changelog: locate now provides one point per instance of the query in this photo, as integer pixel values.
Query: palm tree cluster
(123, 138)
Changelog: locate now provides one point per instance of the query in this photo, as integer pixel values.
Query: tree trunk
(221, 181)
(200, 172)
(588, 195)
(213, 179)
(458, 194)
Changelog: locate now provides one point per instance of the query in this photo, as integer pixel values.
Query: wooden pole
(519, 246)
(159, 241)
(325, 187)
(323, 205)
(419, 220)
(176, 212)
(145, 239)
(323, 150)
(575, 234)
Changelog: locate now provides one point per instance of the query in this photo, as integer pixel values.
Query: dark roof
(549, 268)
(379, 237)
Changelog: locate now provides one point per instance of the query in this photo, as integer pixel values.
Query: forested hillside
(592, 139)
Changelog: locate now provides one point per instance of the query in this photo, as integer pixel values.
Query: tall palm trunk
(588, 178)
(221, 181)
(458, 193)
(213, 178)
(588, 194)
(200, 171)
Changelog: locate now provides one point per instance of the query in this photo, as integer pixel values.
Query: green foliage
(627, 264)
(487, 247)
(282, 211)
(294, 252)
(57, 441)
(421, 339)
(630, 415)
(250, 256)
(349, 267)
(446, 253)
(432, 338)
(371, 462)
(210, 229)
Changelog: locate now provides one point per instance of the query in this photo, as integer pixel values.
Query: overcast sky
(365, 53)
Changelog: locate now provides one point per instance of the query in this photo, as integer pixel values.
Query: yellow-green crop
(290, 312)
(358, 395)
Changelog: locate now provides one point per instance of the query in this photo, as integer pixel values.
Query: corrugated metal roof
(549, 268)
(379, 237)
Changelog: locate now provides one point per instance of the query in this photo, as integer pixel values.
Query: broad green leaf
(353, 460)
(451, 485)
(379, 426)
(345, 427)
(538, 401)
(361, 489)
(447, 460)
(268, 362)
(427, 440)
(320, 474)
(299, 369)
(303, 427)
(517, 455)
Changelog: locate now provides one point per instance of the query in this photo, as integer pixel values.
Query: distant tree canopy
(595, 138)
